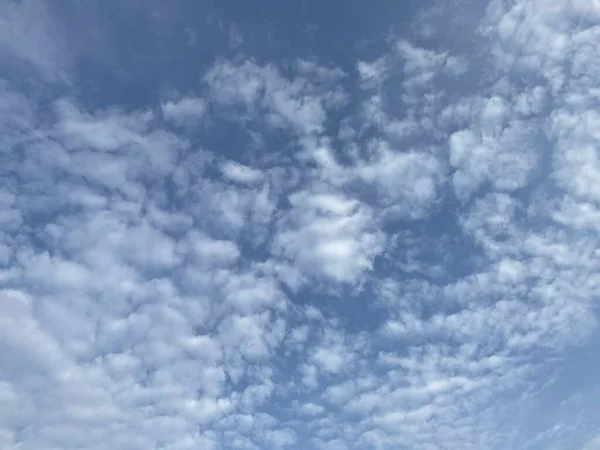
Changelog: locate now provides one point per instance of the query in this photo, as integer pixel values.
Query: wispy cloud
(30, 34)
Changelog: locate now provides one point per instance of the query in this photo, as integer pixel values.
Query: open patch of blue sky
(299, 225)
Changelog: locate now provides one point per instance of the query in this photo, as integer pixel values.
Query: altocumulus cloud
(345, 230)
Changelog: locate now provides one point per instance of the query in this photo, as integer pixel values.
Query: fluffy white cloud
(185, 111)
(298, 103)
(240, 173)
(328, 234)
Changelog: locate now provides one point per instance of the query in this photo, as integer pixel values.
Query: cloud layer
(400, 252)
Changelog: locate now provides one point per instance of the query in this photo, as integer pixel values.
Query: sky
(299, 225)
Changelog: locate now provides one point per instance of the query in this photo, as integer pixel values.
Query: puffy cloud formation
(294, 247)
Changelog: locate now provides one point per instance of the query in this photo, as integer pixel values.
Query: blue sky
(299, 225)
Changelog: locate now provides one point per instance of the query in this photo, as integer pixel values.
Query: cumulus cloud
(186, 111)
(328, 234)
(240, 173)
(299, 103)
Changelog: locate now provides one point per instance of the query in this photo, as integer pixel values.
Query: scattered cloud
(392, 249)
(186, 111)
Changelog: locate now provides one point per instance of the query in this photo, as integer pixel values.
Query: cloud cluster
(296, 255)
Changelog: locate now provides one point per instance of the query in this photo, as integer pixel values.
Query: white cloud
(407, 182)
(311, 409)
(298, 103)
(185, 111)
(213, 252)
(328, 235)
(240, 173)
(499, 151)
(109, 133)
(333, 355)
(281, 438)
